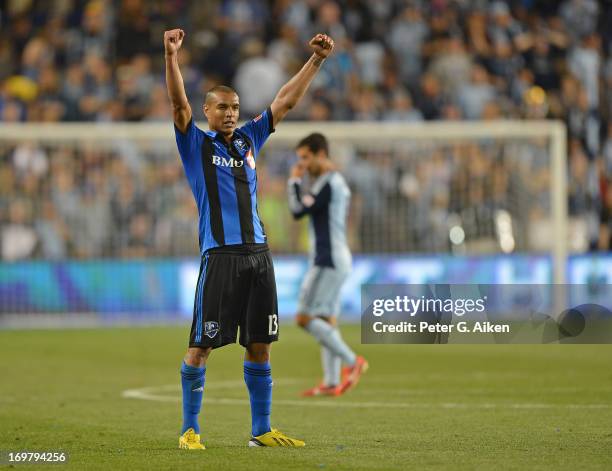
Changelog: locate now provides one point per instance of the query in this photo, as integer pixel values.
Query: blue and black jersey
(223, 180)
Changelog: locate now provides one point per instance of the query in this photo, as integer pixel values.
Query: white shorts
(320, 292)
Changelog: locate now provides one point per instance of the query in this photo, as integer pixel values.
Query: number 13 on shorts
(272, 324)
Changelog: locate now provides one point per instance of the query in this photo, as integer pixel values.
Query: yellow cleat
(275, 438)
(190, 441)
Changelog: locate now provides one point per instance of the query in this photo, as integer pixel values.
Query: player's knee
(302, 320)
(331, 320)
(258, 352)
(197, 356)
(259, 357)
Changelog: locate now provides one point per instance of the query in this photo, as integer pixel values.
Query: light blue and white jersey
(327, 204)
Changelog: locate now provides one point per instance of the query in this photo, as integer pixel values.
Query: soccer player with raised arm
(236, 286)
(327, 205)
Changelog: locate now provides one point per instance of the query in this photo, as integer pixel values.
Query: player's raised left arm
(292, 92)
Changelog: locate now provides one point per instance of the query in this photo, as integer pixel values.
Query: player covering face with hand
(236, 288)
(329, 262)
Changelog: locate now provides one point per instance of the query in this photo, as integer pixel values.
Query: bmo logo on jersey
(223, 162)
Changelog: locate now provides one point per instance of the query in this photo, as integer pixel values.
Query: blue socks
(258, 378)
(192, 380)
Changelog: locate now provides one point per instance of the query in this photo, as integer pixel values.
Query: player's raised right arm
(181, 110)
(299, 204)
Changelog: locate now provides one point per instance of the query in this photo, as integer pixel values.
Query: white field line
(156, 393)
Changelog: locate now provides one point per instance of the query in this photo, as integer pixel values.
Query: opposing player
(329, 262)
(236, 286)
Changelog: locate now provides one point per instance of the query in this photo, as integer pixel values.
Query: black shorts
(236, 288)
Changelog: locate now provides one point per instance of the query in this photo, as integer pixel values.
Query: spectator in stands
(93, 222)
(94, 58)
(125, 203)
(18, 239)
(407, 37)
(401, 108)
(452, 66)
(580, 16)
(53, 234)
(474, 95)
(94, 36)
(605, 220)
(258, 78)
(140, 237)
(607, 152)
(396, 60)
(133, 30)
(429, 97)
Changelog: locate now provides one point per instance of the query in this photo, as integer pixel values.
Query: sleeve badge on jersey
(308, 200)
(250, 160)
(257, 118)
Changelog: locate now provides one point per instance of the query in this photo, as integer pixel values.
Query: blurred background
(96, 225)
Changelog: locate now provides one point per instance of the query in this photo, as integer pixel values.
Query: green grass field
(419, 407)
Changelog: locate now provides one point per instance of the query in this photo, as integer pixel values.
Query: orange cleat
(354, 374)
(323, 390)
(346, 370)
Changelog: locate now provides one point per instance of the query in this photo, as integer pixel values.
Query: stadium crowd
(395, 60)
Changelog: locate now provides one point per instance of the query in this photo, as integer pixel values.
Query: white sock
(331, 367)
(330, 337)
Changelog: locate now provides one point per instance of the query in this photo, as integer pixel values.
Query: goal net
(463, 188)
(106, 193)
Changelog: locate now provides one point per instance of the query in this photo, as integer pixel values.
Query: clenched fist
(322, 45)
(173, 40)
